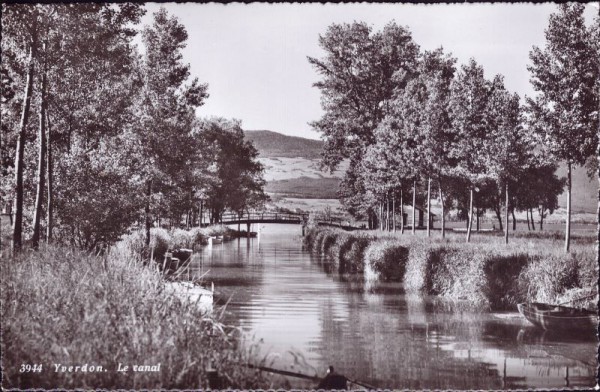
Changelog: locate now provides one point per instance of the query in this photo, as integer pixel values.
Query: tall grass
(133, 245)
(486, 272)
(385, 261)
(61, 306)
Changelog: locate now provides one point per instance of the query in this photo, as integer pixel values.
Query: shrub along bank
(488, 274)
(162, 239)
(67, 307)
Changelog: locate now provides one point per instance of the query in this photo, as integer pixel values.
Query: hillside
(292, 171)
(273, 144)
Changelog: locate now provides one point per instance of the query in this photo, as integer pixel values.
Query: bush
(423, 260)
(385, 261)
(459, 275)
(353, 257)
(328, 241)
(181, 239)
(484, 273)
(502, 287)
(547, 278)
(334, 251)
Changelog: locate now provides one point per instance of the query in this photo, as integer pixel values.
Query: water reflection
(375, 333)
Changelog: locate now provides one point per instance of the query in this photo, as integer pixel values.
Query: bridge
(230, 218)
(263, 217)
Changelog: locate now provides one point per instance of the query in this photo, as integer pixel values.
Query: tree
(19, 25)
(428, 135)
(88, 60)
(565, 74)
(162, 141)
(469, 96)
(238, 183)
(62, 40)
(360, 73)
(509, 148)
(538, 188)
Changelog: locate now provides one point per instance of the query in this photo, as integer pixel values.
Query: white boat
(215, 240)
(191, 292)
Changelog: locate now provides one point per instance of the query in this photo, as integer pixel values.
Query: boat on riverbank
(192, 292)
(212, 240)
(559, 318)
(176, 259)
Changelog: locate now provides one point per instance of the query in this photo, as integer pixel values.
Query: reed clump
(385, 260)
(63, 306)
(485, 273)
(161, 240)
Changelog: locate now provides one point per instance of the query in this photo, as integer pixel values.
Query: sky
(254, 56)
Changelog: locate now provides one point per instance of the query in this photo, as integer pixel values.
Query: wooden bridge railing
(263, 216)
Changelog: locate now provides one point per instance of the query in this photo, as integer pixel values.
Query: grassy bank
(133, 245)
(61, 306)
(485, 272)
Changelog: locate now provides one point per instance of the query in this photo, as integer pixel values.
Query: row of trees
(407, 120)
(116, 140)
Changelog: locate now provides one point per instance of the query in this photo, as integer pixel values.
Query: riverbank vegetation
(483, 273)
(70, 307)
(100, 136)
(134, 244)
(414, 125)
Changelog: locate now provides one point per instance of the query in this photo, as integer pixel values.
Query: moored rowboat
(559, 318)
(191, 292)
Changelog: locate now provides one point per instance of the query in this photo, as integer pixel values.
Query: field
(304, 187)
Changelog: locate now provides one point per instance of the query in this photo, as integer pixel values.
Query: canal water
(304, 317)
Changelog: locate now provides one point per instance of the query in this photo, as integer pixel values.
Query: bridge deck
(275, 217)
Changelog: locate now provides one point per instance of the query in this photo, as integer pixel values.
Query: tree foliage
(120, 126)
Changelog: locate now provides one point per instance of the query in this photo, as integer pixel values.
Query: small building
(420, 215)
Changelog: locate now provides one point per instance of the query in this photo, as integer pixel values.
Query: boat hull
(559, 318)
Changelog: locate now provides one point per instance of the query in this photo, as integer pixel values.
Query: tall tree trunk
(470, 223)
(428, 206)
(542, 212)
(514, 219)
(443, 214)
(50, 186)
(499, 216)
(528, 224)
(568, 228)
(147, 211)
(506, 214)
(414, 209)
(532, 221)
(17, 240)
(394, 212)
(387, 213)
(477, 218)
(41, 172)
(381, 216)
(401, 213)
(201, 212)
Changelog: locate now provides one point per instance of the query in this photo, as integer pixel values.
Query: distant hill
(292, 170)
(273, 144)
